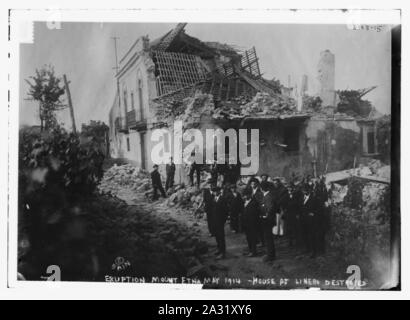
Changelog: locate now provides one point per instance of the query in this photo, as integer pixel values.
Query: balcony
(135, 121)
(120, 125)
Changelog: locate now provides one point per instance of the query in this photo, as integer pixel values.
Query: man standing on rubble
(157, 184)
(214, 172)
(208, 208)
(268, 216)
(170, 170)
(220, 215)
(195, 169)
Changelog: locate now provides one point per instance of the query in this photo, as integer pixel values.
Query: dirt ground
(291, 269)
(129, 238)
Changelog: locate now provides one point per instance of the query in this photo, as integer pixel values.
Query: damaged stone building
(214, 85)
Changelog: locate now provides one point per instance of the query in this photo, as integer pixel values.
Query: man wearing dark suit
(170, 170)
(268, 216)
(311, 215)
(220, 215)
(157, 184)
(323, 210)
(208, 208)
(250, 222)
(195, 170)
(235, 208)
(266, 178)
(257, 195)
(293, 216)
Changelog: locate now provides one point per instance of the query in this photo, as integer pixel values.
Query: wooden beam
(70, 104)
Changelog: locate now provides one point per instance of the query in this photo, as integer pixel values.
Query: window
(128, 145)
(291, 138)
(369, 139)
(140, 99)
(371, 145)
(132, 101)
(143, 153)
(125, 100)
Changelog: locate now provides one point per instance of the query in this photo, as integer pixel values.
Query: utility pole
(70, 103)
(116, 68)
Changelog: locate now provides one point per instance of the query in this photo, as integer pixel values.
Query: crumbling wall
(384, 138)
(334, 144)
(360, 229)
(194, 113)
(274, 159)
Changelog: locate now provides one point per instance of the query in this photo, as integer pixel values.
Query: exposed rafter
(167, 40)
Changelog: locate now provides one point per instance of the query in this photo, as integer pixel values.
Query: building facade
(211, 85)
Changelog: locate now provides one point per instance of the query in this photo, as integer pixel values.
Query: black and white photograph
(227, 155)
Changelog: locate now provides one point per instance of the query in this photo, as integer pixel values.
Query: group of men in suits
(303, 207)
(263, 205)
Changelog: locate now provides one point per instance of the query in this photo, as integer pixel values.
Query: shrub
(56, 174)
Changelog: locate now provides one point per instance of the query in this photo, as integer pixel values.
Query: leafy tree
(97, 132)
(46, 89)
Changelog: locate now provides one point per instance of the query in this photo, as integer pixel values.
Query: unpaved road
(290, 270)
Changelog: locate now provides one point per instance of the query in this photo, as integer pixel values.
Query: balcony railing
(131, 119)
(120, 125)
(135, 121)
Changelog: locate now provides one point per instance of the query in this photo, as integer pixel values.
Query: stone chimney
(302, 92)
(326, 77)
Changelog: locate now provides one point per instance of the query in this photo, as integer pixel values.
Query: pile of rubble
(266, 104)
(339, 193)
(379, 170)
(183, 197)
(196, 107)
(373, 194)
(262, 104)
(357, 194)
(191, 109)
(231, 109)
(127, 176)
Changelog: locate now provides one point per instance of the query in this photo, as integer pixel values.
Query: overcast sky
(85, 53)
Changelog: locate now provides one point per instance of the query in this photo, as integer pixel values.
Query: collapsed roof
(186, 66)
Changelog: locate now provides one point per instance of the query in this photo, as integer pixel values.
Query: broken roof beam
(170, 37)
(250, 62)
(257, 85)
(181, 92)
(366, 91)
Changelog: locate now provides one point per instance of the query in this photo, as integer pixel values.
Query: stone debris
(183, 197)
(196, 107)
(191, 109)
(262, 104)
(127, 176)
(373, 194)
(366, 195)
(339, 192)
